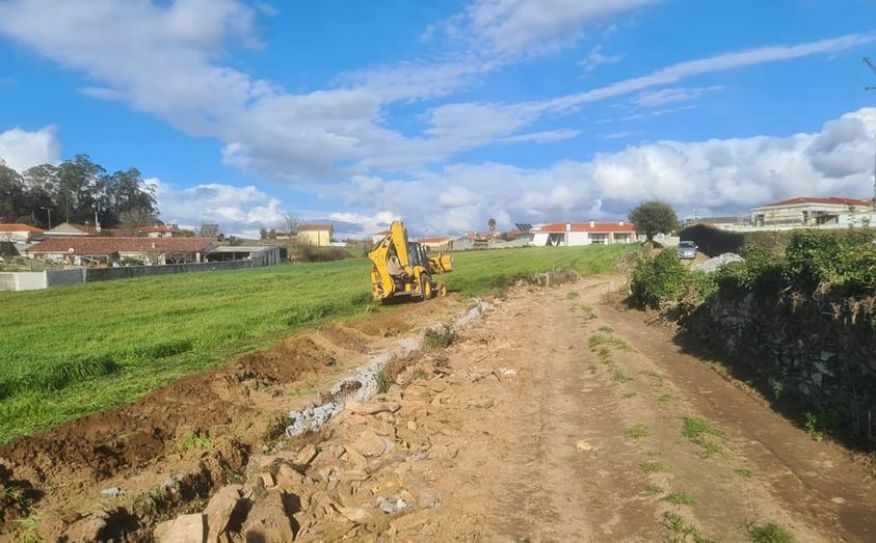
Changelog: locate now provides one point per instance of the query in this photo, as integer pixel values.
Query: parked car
(687, 249)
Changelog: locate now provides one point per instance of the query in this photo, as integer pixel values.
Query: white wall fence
(16, 281)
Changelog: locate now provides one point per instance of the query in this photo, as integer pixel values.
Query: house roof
(312, 227)
(19, 227)
(820, 200)
(105, 246)
(67, 229)
(159, 228)
(438, 239)
(596, 227)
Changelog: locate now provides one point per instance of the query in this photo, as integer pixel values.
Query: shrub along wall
(802, 326)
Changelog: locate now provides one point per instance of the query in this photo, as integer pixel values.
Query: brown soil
(58, 475)
(520, 430)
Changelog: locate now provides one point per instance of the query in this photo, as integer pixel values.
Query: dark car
(687, 249)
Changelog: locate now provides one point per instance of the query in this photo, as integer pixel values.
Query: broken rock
(182, 529)
(87, 529)
(369, 443)
(268, 521)
(219, 510)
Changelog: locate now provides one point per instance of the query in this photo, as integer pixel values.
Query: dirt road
(574, 421)
(555, 416)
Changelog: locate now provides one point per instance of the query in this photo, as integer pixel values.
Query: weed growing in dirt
(572, 295)
(195, 442)
(769, 533)
(600, 340)
(681, 530)
(440, 338)
(745, 473)
(605, 329)
(591, 368)
(701, 432)
(618, 376)
(694, 428)
(383, 383)
(637, 431)
(27, 529)
(587, 312)
(680, 498)
(655, 377)
(629, 395)
(666, 398)
(651, 467)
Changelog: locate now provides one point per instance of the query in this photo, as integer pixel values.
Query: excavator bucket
(441, 264)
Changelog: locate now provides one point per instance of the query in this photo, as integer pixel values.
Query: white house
(584, 233)
(18, 232)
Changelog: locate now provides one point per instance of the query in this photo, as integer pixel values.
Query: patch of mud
(286, 362)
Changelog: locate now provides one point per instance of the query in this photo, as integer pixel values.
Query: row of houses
(559, 234)
(799, 212)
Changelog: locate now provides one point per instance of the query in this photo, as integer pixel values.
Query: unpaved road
(556, 416)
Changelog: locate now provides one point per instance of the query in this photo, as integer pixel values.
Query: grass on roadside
(700, 431)
(651, 467)
(680, 498)
(68, 351)
(637, 431)
(769, 533)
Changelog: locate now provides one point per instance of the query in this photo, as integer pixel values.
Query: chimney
(568, 227)
(592, 224)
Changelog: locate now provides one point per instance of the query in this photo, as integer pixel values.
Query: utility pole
(49, 211)
(869, 63)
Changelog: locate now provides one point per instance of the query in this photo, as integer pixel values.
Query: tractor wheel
(425, 286)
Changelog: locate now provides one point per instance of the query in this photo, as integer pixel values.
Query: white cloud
(718, 63)
(545, 136)
(718, 176)
(662, 97)
(522, 26)
(237, 210)
(21, 149)
(169, 58)
(596, 58)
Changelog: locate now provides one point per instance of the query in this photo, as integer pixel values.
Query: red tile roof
(598, 227)
(19, 227)
(107, 246)
(159, 228)
(819, 200)
(310, 227)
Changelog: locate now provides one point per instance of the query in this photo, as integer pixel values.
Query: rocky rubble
(366, 476)
(718, 262)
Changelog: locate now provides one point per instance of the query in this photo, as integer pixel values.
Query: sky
(445, 114)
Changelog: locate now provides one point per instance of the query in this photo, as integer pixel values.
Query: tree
(263, 233)
(654, 217)
(289, 224)
(492, 225)
(132, 221)
(209, 230)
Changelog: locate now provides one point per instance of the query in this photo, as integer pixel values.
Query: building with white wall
(18, 233)
(584, 233)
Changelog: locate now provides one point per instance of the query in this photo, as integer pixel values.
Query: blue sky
(445, 113)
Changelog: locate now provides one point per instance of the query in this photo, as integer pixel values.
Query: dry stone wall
(819, 351)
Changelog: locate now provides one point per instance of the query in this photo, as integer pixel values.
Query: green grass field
(68, 351)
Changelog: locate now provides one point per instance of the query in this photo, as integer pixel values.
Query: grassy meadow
(68, 351)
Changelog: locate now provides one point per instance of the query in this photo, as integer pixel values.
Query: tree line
(76, 191)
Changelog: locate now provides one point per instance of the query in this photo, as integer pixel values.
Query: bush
(845, 259)
(658, 279)
(311, 253)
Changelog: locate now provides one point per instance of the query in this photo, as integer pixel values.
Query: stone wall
(818, 351)
(22, 281)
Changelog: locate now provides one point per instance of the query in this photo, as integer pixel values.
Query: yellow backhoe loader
(403, 268)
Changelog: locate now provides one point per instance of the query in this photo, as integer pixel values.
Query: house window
(598, 239)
